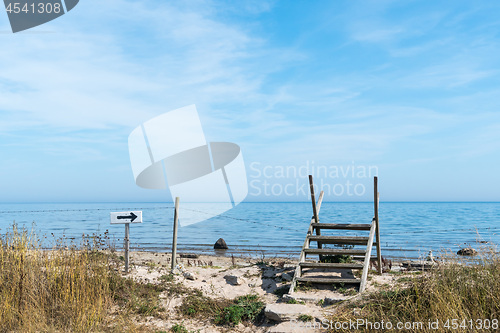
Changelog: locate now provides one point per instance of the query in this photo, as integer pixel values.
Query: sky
(404, 90)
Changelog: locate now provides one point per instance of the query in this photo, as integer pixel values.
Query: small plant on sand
(303, 286)
(166, 278)
(345, 291)
(179, 328)
(245, 308)
(294, 301)
(263, 261)
(305, 317)
(151, 266)
(262, 264)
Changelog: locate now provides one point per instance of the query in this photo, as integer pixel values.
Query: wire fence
(225, 216)
(397, 247)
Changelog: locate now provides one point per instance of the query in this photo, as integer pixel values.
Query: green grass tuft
(305, 317)
(246, 308)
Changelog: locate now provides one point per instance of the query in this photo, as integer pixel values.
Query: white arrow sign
(126, 217)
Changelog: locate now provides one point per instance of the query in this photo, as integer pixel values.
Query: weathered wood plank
(335, 251)
(339, 240)
(367, 258)
(330, 265)
(342, 226)
(328, 280)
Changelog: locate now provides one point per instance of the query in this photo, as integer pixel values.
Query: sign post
(126, 218)
(174, 241)
(127, 245)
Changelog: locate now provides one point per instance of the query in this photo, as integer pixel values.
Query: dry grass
(467, 292)
(81, 289)
(64, 289)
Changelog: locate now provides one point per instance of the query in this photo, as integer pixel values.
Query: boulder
(467, 252)
(234, 280)
(220, 245)
(189, 276)
(285, 312)
(286, 277)
(269, 274)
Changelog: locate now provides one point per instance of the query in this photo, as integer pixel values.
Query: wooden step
(339, 240)
(327, 280)
(335, 251)
(342, 226)
(330, 265)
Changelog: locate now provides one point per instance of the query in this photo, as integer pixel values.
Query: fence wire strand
(238, 219)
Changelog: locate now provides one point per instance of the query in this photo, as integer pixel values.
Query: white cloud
(111, 65)
(98, 79)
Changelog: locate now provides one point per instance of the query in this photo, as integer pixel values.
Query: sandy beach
(87, 289)
(222, 277)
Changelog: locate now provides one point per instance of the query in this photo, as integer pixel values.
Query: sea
(408, 230)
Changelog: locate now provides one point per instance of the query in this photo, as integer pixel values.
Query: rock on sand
(220, 244)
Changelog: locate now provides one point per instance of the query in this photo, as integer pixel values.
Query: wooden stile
(316, 226)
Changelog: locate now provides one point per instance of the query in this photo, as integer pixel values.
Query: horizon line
(244, 202)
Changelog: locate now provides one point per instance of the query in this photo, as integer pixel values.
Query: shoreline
(207, 250)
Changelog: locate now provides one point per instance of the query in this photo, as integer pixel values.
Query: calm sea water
(408, 230)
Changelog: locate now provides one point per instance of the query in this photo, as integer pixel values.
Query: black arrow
(132, 217)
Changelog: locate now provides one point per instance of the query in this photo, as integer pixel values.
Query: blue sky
(411, 88)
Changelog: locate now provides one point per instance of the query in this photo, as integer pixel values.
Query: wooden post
(174, 241)
(127, 245)
(315, 212)
(377, 224)
(313, 199)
